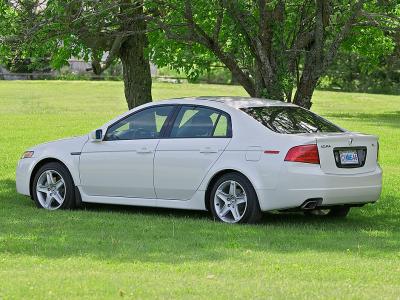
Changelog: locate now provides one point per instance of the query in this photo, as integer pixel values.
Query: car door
(121, 165)
(196, 139)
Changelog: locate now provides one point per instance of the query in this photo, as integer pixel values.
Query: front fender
(66, 151)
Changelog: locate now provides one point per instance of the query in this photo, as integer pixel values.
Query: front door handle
(209, 150)
(144, 150)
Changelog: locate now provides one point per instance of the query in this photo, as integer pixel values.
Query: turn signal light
(303, 154)
(27, 154)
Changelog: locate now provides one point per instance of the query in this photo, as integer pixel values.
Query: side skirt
(196, 203)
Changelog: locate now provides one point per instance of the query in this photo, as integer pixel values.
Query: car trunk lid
(347, 153)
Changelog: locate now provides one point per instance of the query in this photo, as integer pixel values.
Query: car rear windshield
(290, 119)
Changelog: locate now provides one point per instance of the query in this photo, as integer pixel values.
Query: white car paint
(118, 168)
(176, 173)
(181, 164)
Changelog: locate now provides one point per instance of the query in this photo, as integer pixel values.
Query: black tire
(252, 213)
(334, 212)
(69, 189)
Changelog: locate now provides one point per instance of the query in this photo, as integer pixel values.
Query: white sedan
(236, 157)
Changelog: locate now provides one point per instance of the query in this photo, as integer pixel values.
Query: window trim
(170, 116)
(165, 132)
(180, 106)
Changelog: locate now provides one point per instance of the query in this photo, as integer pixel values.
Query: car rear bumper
(300, 182)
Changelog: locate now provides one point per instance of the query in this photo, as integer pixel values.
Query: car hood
(72, 143)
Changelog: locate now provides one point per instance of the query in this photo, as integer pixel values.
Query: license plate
(348, 157)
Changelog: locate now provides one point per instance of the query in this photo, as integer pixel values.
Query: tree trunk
(305, 89)
(135, 61)
(136, 70)
(311, 72)
(273, 91)
(309, 78)
(270, 88)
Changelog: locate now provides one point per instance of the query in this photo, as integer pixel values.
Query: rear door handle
(209, 150)
(144, 150)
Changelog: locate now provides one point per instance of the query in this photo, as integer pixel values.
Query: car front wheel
(53, 187)
(234, 200)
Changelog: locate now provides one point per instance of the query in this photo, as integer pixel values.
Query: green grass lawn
(130, 252)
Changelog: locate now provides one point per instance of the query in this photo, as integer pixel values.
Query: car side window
(145, 124)
(200, 122)
(222, 127)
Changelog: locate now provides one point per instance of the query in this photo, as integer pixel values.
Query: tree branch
(254, 42)
(218, 23)
(202, 37)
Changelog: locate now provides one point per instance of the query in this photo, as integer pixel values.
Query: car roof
(231, 101)
(218, 102)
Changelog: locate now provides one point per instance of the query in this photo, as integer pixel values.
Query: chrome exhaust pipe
(311, 204)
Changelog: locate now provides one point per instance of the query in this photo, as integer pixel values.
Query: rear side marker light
(303, 154)
(377, 151)
(271, 151)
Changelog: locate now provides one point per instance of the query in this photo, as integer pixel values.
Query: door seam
(154, 169)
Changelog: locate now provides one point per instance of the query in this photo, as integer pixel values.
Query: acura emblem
(350, 141)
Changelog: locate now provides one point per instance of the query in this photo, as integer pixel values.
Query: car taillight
(303, 154)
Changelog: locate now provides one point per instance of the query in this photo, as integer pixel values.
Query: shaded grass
(108, 251)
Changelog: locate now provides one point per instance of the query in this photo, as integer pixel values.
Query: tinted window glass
(195, 122)
(290, 120)
(146, 124)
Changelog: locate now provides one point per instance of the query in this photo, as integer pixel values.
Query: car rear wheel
(334, 212)
(53, 187)
(234, 200)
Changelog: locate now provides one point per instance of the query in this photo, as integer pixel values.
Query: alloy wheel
(50, 190)
(230, 201)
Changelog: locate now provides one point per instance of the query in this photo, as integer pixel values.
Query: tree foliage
(87, 29)
(373, 68)
(272, 47)
(275, 49)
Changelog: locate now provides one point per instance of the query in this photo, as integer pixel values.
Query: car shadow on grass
(123, 233)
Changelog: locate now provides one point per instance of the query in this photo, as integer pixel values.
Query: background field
(111, 252)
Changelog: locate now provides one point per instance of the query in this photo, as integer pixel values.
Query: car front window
(145, 124)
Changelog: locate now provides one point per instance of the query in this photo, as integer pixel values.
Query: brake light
(303, 154)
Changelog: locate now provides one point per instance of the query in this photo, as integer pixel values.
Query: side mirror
(97, 135)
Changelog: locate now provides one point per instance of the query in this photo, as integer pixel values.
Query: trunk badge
(350, 141)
